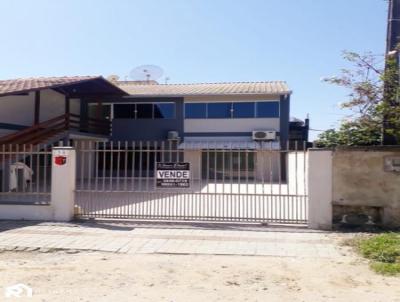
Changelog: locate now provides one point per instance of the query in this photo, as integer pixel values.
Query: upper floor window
(267, 109)
(261, 109)
(164, 110)
(219, 110)
(243, 110)
(144, 111)
(124, 110)
(196, 110)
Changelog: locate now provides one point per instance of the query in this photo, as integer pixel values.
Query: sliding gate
(236, 182)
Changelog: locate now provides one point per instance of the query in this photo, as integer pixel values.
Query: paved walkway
(141, 238)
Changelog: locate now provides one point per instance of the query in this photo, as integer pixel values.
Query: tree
(368, 102)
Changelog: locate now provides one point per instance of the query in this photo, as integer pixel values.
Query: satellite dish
(146, 73)
(113, 78)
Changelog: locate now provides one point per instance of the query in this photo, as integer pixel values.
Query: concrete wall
(361, 186)
(320, 189)
(349, 186)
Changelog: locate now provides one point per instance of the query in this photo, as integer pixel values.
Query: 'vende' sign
(173, 175)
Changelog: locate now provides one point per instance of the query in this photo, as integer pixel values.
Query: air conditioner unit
(173, 135)
(264, 135)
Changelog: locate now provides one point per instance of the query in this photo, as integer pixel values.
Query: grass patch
(383, 251)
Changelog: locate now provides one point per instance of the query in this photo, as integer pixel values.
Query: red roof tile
(31, 84)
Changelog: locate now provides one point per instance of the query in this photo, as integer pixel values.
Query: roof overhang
(74, 87)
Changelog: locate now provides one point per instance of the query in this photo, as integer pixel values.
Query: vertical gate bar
(45, 159)
(89, 184)
(140, 165)
(10, 154)
(126, 150)
(133, 166)
(305, 191)
(16, 152)
(118, 164)
(3, 165)
(165, 197)
(232, 206)
(214, 202)
(264, 205)
(24, 161)
(31, 165)
(147, 203)
(208, 166)
(280, 173)
(288, 190)
(171, 201)
(96, 168)
(147, 165)
(155, 200)
(247, 183)
(239, 183)
(111, 151)
(222, 207)
(37, 169)
(296, 179)
(254, 200)
(82, 162)
(104, 167)
(199, 196)
(135, 186)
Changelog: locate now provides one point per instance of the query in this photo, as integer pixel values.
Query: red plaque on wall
(60, 160)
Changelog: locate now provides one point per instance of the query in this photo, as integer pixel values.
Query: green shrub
(390, 269)
(384, 251)
(383, 248)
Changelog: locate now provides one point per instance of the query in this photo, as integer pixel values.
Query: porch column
(36, 117)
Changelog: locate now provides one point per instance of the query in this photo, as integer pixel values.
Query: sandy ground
(114, 277)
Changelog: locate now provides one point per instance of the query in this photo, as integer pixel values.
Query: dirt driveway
(99, 276)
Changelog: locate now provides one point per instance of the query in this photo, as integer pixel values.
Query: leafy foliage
(370, 101)
(384, 251)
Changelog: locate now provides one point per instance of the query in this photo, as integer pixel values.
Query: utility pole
(392, 52)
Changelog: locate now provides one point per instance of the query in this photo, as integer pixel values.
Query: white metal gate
(251, 182)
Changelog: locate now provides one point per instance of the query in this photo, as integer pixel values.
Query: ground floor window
(223, 165)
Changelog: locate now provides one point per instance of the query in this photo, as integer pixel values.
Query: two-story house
(202, 117)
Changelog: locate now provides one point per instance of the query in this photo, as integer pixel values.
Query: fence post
(63, 182)
(320, 189)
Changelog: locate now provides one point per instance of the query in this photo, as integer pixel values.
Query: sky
(297, 41)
